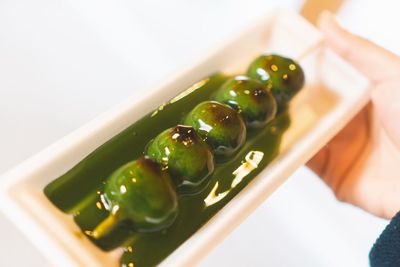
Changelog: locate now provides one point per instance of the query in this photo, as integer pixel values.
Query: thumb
(375, 62)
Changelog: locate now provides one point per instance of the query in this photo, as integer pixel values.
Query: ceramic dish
(334, 92)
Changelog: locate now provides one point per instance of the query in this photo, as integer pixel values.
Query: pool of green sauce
(78, 191)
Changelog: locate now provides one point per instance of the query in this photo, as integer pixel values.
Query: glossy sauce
(78, 192)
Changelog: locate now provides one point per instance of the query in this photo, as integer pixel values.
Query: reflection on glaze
(213, 198)
(190, 90)
(220, 126)
(250, 98)
(184, 155)
(182, 95)
(282, 75)
(252, 159)
(139, 192)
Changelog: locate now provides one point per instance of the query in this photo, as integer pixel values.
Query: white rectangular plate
(333, 94)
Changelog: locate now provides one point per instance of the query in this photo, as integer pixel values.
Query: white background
(64, 62)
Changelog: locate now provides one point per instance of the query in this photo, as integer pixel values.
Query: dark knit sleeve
(386, 250)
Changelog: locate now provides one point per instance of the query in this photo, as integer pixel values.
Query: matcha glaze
(79, 191)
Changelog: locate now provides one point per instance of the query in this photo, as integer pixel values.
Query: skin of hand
(362, 163)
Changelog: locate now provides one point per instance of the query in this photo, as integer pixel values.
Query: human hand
(362, 163)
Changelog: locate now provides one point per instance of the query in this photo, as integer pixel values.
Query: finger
(319, 162)
(334, 162)
(375, 62)
(386, 103)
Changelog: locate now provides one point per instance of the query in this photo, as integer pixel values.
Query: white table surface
(64, 62)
